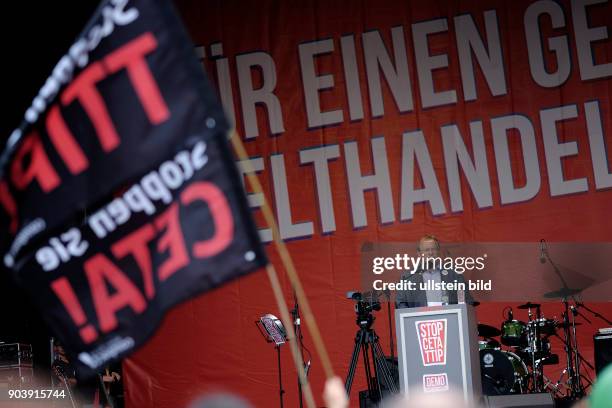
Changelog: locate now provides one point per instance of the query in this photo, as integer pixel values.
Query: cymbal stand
(578, 388)
(570, 339)
(531, 340)
(593, 312)
(295, 314)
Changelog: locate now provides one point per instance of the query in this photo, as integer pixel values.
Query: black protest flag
(127, 131)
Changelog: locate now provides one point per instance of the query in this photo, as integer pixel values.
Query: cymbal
(529, 305)
(562, 293)
(484, 330)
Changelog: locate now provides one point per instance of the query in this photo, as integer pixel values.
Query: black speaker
(543, 400)
(603, 351)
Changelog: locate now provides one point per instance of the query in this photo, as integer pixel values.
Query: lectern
(438, 350)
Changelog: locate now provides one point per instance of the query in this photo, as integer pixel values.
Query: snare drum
(514, 333)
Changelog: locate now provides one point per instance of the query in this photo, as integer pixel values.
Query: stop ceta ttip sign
(432, 341)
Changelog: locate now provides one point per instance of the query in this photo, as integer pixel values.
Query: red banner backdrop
(383, 121)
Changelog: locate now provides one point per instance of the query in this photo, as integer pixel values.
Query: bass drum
(502, 372)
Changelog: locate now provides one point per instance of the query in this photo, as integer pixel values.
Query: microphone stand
(391, 345)
(281, 390)
(295, 313)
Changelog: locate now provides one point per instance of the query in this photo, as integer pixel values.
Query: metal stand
(295, 313)
(593, 312)
(273, 331)
(574, 360)
(391, 345)
(533, 336)
(102, 386)
(281, 391)
(366, 343)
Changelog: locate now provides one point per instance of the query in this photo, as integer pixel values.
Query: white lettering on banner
(597, 142)
(288, 230)
(156, 186)
(351, 75)
(491, 61)
(585, 37)
(555, 151)
(110, 349)
(476, 171)
(427, 63)
(415, 157)
(250, 96)
(224, 81)
(415, 148)
(153, 187)
(255, 200)
(319, 157)
(379, 180)
(374, 55)
(313, 84)
(398, 77)
(391, 71)
(524, 129)
(557, 45)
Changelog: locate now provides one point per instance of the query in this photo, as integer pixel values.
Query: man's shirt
(434, 297)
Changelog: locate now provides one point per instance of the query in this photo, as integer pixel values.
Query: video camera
(367, 302)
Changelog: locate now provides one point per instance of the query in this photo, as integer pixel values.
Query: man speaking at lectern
(429, 277)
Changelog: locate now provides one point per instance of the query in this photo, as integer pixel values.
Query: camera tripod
(366, 343)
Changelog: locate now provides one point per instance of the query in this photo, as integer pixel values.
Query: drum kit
(515, 363)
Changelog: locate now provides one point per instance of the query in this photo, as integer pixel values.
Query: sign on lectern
(438, 350)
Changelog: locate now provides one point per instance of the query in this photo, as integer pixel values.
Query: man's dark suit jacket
(418, 298)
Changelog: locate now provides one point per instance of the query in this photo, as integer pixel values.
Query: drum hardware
(593, 312)
(521, 368)
(534, 340)
(63, 376)
(530, 347)
(570, 340)
(554, 389)
(545, 326)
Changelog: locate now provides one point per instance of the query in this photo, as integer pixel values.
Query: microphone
(307, 368)
(542, 251)
(510, 315)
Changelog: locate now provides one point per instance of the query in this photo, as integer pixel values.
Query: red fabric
(212, 342)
